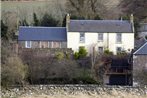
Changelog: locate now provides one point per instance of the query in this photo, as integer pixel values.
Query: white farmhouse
(114, 35)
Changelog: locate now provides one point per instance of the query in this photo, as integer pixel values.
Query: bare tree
(86, 8)
(137, 7)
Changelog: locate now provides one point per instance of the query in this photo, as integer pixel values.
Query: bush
(76, 55)
(13, 71)
(108, 52)
(81, 53)
(85, 80)
(67, 55)
(122, 54)
(59, 55)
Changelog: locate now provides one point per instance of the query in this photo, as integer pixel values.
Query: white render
(91, 40)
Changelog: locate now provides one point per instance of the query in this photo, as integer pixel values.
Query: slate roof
(142, 50)
(103, 26)
(42, 33)
(140, 42)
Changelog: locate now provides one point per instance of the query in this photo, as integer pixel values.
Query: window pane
(82, 37)
(100, 49)
(28, 44)
(119, 37)
(100, 36)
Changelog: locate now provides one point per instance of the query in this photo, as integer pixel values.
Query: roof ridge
(99, 20)
(39, 27)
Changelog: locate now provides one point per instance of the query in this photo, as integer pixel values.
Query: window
(28, 44)
(56, 44)
(100, 49)
(118, 49)
(100, 36)
(119, 38)
(82, 37)
(49, 44)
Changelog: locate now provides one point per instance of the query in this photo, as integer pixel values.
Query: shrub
(85, 80)
(59, 55)
(122, 54)
(82, 52)
(84, 76)
(76, 55)
(13, 71)
(108, 52)
(67, 56)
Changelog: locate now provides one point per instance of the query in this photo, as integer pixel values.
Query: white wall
(91, 39)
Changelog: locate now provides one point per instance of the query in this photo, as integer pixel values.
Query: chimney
(67, 20)
(121, 18)
(132, 22)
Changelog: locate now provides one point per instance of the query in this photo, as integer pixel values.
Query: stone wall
(46, 52)
(140, 69)
(51, 90)
(140, 62)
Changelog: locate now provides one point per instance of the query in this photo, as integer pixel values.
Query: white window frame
(100, 36)
(82, 38)
(26, 44)
(119, 38)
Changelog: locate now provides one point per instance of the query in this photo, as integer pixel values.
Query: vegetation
(59, 55)
(36, 20)
(108, 52)
(87, 9)
(14, 71)
(48, 20)
(33, 69)
(4, 31)
(81, 53)
(136, 7)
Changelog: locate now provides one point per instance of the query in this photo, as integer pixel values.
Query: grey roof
(103, 26)
(139, 42)
(143, 27)
(42, 33)
(142, 50)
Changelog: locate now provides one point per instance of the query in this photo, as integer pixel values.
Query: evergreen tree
(36, 21)
(4, 30)
(48, 20)
(24, 23)
(97, 17)
(64, 22)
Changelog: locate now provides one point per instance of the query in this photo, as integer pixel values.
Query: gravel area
(74, 91)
